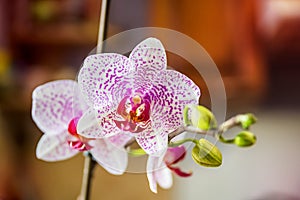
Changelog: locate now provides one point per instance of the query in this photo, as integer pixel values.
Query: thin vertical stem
(89, 163)
(102, 24)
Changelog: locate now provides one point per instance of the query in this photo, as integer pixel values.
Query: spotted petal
(157, 172)
(90, 125)
(112, 158)
(55, 147)
(175, 91)
(99, 77)
(54, 104)
(153, 142)
(149, 56)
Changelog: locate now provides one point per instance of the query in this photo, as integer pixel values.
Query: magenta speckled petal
(54, 104)
(99, 78)
(89, 126)
(153, 142)
(110, 157)
(108, 124)
(149, 56)
(175, 91)
(55, 147)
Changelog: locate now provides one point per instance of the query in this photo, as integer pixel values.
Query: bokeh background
(255, 44)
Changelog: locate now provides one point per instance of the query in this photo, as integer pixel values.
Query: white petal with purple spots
(55, 147)
(54, 104)
(149, 56)
(175, 91)
(153, 142)
(99, 77)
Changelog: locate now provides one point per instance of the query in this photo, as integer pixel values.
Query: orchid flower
(136, 96)
(57, 106)
(159, 172)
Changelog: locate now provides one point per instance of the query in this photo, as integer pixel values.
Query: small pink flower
(159, 169)
(56, 108)
(136, 96)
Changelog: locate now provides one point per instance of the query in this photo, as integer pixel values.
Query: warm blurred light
(273, 12)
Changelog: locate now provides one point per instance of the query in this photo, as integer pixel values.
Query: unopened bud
(207, 154)
(199, 117)
(245, 139)
(246, 120)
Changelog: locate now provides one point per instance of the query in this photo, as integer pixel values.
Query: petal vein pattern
(99, 78)
(54, 105)
(149, 57)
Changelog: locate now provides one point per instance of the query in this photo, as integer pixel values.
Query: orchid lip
(179, 172)
(81, 144)
(135, 110)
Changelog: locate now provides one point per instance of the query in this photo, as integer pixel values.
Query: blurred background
(255, 44)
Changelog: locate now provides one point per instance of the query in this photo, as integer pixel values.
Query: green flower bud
(246, 120)
(245, 139)
(206, 154)
(199, 117)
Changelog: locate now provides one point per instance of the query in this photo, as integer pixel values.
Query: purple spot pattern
(99, 77)
(55, 147)
(149, 56)
(103, 126)
(175, 91)
(54, 104)
(168, 91)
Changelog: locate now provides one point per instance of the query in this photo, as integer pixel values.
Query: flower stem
(103, 22)
(180, 142)
(232, 122)
(189, 129)
(89, 165)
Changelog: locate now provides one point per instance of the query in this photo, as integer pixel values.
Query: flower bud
(246, 120)
(245, 139)
(199, 117)
(206, 154)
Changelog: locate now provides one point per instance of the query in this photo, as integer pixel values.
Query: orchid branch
(238, 120)
(89, 162)
(89, 165)
(230, 123)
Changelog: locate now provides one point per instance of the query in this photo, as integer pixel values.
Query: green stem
(227, 141)
(217, 133)
(180, 142)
